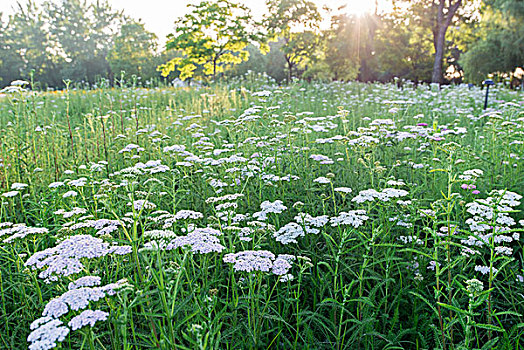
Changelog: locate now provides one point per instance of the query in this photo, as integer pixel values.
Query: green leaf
(489, 327)
(454, 308)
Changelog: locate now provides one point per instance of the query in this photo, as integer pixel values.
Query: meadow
(250, 215)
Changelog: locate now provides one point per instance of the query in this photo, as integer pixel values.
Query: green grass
(399, 280)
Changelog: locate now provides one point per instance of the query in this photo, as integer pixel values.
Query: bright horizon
(159, 15)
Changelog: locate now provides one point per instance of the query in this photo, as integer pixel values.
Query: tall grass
(359, 216)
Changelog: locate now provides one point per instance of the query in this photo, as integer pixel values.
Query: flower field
(258, 216)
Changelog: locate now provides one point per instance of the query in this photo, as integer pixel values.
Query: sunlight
(360, 7)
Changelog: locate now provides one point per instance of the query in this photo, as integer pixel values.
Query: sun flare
(360, 7)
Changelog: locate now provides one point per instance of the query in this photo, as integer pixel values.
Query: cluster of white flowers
(129, 148)
(225, 198)
(263, 93)
(142, 204)
(200, 240)
(395, 183)
(150, 167)
(81, 182)
(103, 226)
(385, 195)
(49, 330)
(322, 180)
(46, 333)
(70, 194)
(188, 215)
(10, 194)
(87, 317)
(70, 213)
(260, 260)
(344, 190)
(159, 234)
(364, 141)
(322, 159)
(171, 219)
(492, 224)
(471, 175)
(267, 207)
(18, 186)
(289, 233)
(19, 231)
(305, 223)
(86, 281)
(355, 218)
(64, 259)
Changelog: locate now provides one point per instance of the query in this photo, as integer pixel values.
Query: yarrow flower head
(86, 281)
(267, 207)
(46, 333)
(142, 204)
(87, 317)
(474, 286)
(64, 259)
(10, 194)
(18, 186)
(200, 240)
(260, 260)
(20, 231)
(48, 330)
(355, 218)
(385, 195)
(289, 233)
(344, 190)
(322, 180)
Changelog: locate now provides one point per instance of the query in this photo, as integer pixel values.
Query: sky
(159, 15)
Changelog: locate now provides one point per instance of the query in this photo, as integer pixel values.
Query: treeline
(420, 40)
(481, 38)
(75, 40)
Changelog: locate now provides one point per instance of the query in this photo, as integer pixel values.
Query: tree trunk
(289, 69)
(214, 68)
(439, 40)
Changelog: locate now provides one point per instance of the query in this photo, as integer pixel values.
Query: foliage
(83, 33)
(25, 46)
(499, 41)
(402, 50)
(74, 40)
(133, 51)
(88, 42)
(344, 44)
(214, 35)
(284, 16)
(272, 63)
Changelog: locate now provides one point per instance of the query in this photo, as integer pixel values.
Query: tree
(445, 13)
(437, 15)
(214, 35)
(284, 17)
(299, 48)
(402, 48)
(273, 63)
(83, 32)
(25, 47)
(343, 46)
(499, 41)
(133, 50)
(10, 60)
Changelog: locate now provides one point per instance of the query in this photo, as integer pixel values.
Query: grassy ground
(250, 215)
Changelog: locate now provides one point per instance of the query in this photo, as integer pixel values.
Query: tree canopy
(215, 35)
(284, 16)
